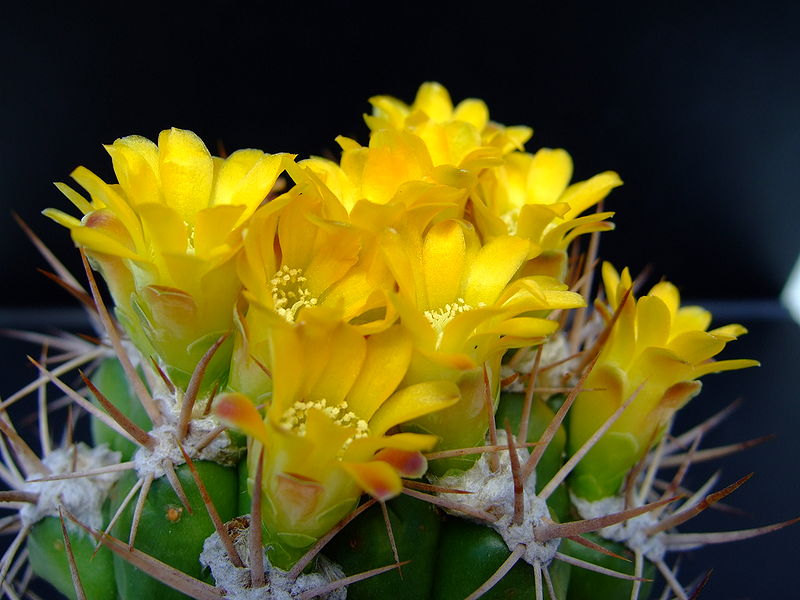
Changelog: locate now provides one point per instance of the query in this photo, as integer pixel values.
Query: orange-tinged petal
(407, 464)
(377, 478)
(362, 449)
(238, 411)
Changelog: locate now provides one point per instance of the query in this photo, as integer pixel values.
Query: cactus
(385, 381)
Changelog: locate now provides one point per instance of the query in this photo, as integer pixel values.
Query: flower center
(510, 218)
(295, 417)
(289, 293)
(440, 317)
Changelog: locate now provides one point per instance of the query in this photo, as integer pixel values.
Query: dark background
(696, 106)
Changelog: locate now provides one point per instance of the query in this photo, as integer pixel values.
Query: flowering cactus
(386, 381)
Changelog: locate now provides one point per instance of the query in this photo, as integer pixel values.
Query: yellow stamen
(440, 317)
(294, 419)
(289, 294)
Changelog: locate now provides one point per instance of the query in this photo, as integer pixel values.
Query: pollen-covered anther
(289, 293)
(294, 418)
(440, 317)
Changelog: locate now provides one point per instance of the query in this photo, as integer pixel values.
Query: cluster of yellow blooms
(372, 303)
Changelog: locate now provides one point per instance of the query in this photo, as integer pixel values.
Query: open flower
(465, 306)
(454, 135)
(166, 235)
(530, 196)
(295, 258)
(326, 433)
(658, 348)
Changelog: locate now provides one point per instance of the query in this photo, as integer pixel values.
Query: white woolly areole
(554, 350)
(82, 496)
(493, 492)
(151, 462)
(631, 532)
(236, 580)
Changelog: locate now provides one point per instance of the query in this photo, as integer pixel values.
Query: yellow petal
(652, 322)
(246, 178)
(79, 201)
(187, 172)
(434, 100)
(584, 194)
(724, 365)
(135, 161)
(728, 333)
(214, 226)
(492, 269)
(164, 228)
(99, 241)
(696, 346)
(549, 174)
(388, 355)
(443, 262)
(104, 195)
(472, 111)
(348, 351)
(62, 218)
(412, 402)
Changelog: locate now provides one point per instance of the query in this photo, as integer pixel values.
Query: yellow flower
(166, 235)
(655, 344)
(430, 142)
(464, 306)
(530, 196)
(453, 135)
(295, 258)
(336, 395)
(395, 168)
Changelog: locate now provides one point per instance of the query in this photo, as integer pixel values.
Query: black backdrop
(696, 106)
